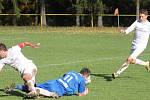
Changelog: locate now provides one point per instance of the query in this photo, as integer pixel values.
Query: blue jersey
(71, 83)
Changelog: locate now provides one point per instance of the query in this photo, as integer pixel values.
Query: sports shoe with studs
(33, 94)
(114, 75)
(55, 95)
(10, 88)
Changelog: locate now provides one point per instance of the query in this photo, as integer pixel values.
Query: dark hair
(144, 11)
(3, 47)
(85, 71)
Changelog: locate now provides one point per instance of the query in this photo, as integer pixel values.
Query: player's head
(143, 15)
(85, 72)
(3, 49)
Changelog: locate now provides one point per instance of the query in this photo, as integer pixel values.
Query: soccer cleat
(33, 94)
(55, 95)
(10, 88)
(147, 67)
(114, 75)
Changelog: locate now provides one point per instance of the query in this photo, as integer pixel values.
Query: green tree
(80, 6)
(16, 9)
(1, 6)
(96, 7)
(100, 10)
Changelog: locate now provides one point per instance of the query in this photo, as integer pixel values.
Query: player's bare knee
(26, 77)
(131, 60)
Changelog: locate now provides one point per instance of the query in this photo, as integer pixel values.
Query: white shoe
(55, 95)
(33, 94)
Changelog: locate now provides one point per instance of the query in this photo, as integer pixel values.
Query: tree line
(85, 12)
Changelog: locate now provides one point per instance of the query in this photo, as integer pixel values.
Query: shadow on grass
(108, 77)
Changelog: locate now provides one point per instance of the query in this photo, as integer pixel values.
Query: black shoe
(10, 88)
(113, 76)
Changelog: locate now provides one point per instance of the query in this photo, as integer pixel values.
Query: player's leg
(135, 54)
(29, 82)
(29, 78)
(23, 88)
(46, 93)
(123, 67)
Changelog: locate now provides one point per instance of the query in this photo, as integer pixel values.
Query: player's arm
(24, 44)
(84, 93)
(129, 29)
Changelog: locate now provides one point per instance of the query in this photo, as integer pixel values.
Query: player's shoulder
(71, 72)
(148, 22)
(16, 47)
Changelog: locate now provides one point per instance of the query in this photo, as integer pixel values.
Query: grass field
(103, 50)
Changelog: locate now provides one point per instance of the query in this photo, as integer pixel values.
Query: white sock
(31, 87)
(123, 68)
(140, 62)
(45, 92)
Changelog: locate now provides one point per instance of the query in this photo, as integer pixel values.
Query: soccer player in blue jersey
(69, 84)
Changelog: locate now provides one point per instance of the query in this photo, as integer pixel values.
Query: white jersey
(141, 36)
(16, 59)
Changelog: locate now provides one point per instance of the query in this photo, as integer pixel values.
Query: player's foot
(147, 67)
(10, 88)
(114, 75)
(33, 94)
(54, 95)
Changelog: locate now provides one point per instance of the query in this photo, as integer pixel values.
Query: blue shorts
(52, 86)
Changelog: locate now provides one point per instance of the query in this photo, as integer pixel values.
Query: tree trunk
(43, 18)
(36, 11)
(77, 20)
(14, 21)
(91, 20)
(77, 16)
(100, 21)
(137, 9)
(82, 20)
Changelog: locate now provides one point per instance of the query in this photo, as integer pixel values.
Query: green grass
(103, 50)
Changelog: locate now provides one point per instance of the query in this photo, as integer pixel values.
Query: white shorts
(31, 69)
(136, 52)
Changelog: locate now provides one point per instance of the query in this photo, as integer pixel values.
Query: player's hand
(86, 91)
(122, 31)
(35, 45)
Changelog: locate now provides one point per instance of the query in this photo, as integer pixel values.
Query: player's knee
(131, 60)
(26, 77)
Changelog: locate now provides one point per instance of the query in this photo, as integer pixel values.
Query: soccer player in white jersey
(139, 43)
(14, 57)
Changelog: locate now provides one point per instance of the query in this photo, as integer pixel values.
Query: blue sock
(23, 88)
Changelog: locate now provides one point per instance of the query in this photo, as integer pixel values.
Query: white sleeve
(131, 28)
(16, 48)
(1, 64)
